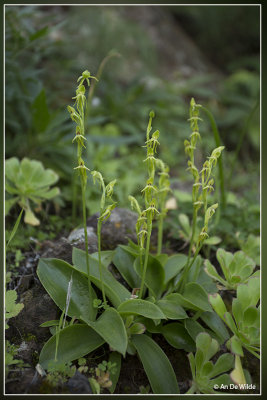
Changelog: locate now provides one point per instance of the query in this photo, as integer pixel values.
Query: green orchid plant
(164, 295)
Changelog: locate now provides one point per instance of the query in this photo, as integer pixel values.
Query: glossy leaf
(116, 292)
(141, 307)
(193, 328)
(123, 261)
(224, 363)
(213, 321)
(111, 328)
(173, 266)
(154, 275)
(75, 341)
(171, 309)
(177, 336)
(194, 297)
(55, 276)
(156, 365)
(217, 303)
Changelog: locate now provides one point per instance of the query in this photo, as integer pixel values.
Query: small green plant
(105, 211)
(78, 116)
(145, 217)
(58, 374)
(11, 351)
(163, 190)
(165, 295)
(237, 268)
(206, 375)
(101, 376)
(202, 180)
(12, 308)
(27, 181)
(244, 322)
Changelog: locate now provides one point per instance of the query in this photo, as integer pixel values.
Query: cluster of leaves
(162, 305)
(28, 181)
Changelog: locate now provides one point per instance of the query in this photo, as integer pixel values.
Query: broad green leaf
(213, 321)
(154, 275)
(162, 258)
(55, 275)
(236, 346)
(250, 316)
(12, 167)
(239, 262)
(75, 341)
(213, 240)
(203, 342)
(200, 359)
(217, 303)
(111, 328)
(150, 324)
(237, 311)
(228, 319)
(141, 307)
(185, 224)
(193, 328)
(224, 258)
(106, 257)
(171, 310)
(123, 261)
(173, 266)
(48, 194)
(114, 357)
(207, 368)
(197, 296)
(156, 365)
(177, 336)
(116, 292)
(223, 364)
(211, 271)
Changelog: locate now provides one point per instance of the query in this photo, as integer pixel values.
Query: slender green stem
(187, 269)
(74, 198)
(188, 264)
(149, 230)
(218, 143)
(160, 233)
(86, 247)
(99, 225)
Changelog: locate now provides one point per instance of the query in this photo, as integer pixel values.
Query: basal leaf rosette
(28, 181)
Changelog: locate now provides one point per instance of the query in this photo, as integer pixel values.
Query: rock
(76, 237)
(24, 329)
(79, 384)
(62, 248)
(117, 229)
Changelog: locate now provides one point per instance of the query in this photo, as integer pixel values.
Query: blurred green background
(161, 57)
